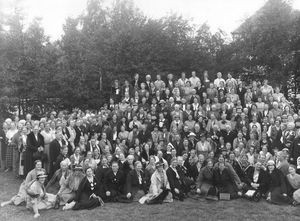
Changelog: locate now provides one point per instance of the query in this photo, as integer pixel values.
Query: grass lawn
(190, 209)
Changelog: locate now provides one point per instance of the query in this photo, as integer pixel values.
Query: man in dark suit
(55, 149)
(229, 135)
(136, 83)
(145, 134)
(175, 181)
(241, 91)
(148, 82)
(79, 132)
(34, 141)
(114, 181)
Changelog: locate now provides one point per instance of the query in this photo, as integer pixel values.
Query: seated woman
(159, 190)
(87, 196)
(69, 186)
(58, 178)
(21, 196)
(37, 198)
(205, 178)
(294, 184)
(136, 183)
(257, 180)
(223, 181)
(277, 192)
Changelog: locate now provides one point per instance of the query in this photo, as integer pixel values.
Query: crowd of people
(157, 141)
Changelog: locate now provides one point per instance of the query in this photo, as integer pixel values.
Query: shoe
(37, 215)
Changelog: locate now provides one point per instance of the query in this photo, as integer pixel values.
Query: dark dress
(3, 147)
(32, 147)
(278, 187)
(114, 183)
(85, 190)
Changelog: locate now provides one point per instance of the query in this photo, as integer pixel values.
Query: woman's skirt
(278, 198)
(296, 196)
(47, 152)
(66, 196)
(42, 203)
(9, 156)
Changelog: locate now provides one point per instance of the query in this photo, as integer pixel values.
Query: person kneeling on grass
(37, 198)
(87, 196)
(224, 181)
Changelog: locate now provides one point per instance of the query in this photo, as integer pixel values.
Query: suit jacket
(33, 143)
(55, 148)
(241, 93)
(263, 179)
(102, 145)
(79, 133)
(205, 176)
(174, 181)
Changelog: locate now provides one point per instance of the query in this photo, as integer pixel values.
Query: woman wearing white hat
(38, 199)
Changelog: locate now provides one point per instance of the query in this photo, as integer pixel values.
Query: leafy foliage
(106, 43)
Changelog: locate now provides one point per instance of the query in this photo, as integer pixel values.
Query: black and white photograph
(150, 110)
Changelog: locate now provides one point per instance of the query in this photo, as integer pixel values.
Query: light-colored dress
(21, 195)
(68, 186)
(36, 194)
(48, 137)
(158, 181)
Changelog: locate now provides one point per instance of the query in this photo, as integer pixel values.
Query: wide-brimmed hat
(78, 167)
(191, 134)
(41, 174)
(159, 164)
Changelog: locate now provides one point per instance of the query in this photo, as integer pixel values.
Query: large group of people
(157, 141)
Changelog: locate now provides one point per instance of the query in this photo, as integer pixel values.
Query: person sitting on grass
(88, 193)
(69, 186)
(159, 190)
(175, 181)
(37, 198)
(114, 181)
(224, 181)
(21, 196)
(136, 183)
